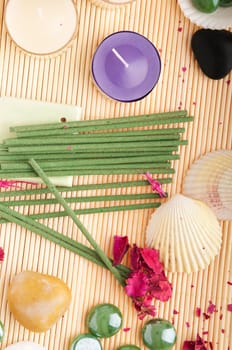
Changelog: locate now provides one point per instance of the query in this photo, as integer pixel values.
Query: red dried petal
(163, 291)
(136, 259)
(198, 311)
(120, 248)
(211, 308)
(230, 283)
(229, 307)
(175, 312)
(1, 254)
(151, 258)
(206, 316)
(136, 285)
(189, 345)
(200, 344)
(145, 307)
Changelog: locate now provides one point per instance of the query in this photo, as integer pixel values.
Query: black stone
(213, 52)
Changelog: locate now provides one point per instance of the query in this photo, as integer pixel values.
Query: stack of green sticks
(95, 147)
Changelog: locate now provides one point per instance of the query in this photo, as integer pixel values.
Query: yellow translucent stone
(37, 300)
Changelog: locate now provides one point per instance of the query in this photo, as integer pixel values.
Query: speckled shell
(186, 232)
(210, 180)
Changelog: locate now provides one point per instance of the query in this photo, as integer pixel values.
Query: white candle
(111, 3)
(41, 26)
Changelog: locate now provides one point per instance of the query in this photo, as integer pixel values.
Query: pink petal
(211, 308)
(120, 247)
(136, 259)
(189, 345)
(200, 345)
(151, 258)
(198, 311)
(229, 307)
(136, 285)
(163, 291)
(1, 254)
(155, 185)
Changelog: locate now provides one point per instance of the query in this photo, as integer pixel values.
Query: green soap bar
(159, 334)
(85, 341)
(104, 320)
(128, 347)
(1, 331)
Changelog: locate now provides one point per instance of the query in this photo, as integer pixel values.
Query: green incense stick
(109, 138)
(64, 241)
(83, 187)
(81, 172)
(86, 199)
(103, 121)
(73, 147)
(93, 128)
(100, 210)
(78, 223)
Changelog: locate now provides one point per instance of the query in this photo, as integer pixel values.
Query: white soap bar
(14, 111)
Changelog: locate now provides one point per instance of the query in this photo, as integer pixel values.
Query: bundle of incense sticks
(95, 147)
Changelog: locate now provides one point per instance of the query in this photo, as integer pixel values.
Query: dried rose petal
(15, 183)
(120, 248)
(145, 307)
(136, 284)
(206, 316)
(163, 291)
(200, 345)
(175, 312)
(136, 259)
(1, 254)
(198, 311)
(189, 345)
(211, 308)
(151, 258)
(230, 283)
(155, 185)
(229, 307)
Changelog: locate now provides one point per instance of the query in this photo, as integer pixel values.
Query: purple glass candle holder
(126, 66)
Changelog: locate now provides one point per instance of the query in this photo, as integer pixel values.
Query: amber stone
(37, 300)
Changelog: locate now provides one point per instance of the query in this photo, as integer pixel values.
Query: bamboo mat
(65, 78)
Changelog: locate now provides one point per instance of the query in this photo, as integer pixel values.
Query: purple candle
(126, 66)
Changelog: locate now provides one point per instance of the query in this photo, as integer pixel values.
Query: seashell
(210, 180)
(186, 232)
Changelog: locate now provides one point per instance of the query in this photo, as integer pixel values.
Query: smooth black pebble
(213, 52)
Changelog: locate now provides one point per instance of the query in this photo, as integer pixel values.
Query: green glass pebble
(207, 6)
(104, 320)
(85, 341)
(159, 334)
(225, 3)
(1, 331)
(128, 347)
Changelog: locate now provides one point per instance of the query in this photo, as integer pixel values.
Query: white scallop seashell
(186, 232)
(210, 180)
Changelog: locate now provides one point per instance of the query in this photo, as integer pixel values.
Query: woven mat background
(65, 78)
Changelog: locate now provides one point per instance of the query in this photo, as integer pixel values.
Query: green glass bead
(159, 334)
(104, 320)
(1, 331)
(85, 341)
(207, 6)
(128, 347)
(225, 3)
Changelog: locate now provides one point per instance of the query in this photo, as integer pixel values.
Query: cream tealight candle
(41, 26)
(111, 3)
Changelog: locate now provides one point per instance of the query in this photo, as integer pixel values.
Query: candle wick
(121, 59)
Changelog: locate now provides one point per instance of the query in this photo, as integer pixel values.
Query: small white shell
(25, 345)
(210, 180)
(186, 232)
